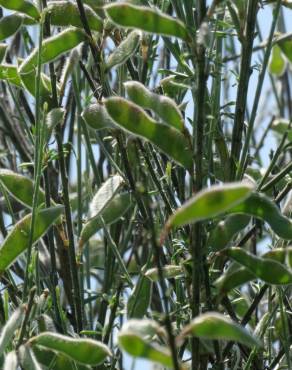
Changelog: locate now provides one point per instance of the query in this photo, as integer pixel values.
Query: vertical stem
(241, 99)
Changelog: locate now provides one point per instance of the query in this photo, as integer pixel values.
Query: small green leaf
(286, 48)
(9, 25)
(17, 240)
(277, 64)
(225, 230)
(57, 10)
(112, 212)
(85, 351)
(281, 126)
(146, 19)
(133, 119)
(97, 117)
(169, 272)
(11, 361)
(9, 73)
(260, 206)
(210, 203)
(22, 6)
(266, 269)
(124, 51)
(215, 326)
(20, 187)
(9, 329)
(163, 106)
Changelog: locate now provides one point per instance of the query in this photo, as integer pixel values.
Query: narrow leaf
(210, 203)
(146, 19)
(163, 106)
(133, 119)
(140, 298)
(215, 326)
(17, 240)
(86, 351)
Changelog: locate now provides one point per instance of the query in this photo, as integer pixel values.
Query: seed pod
(22, 6)
(163, 106)
(86, 351)
(97, 117)
(9, 25)
(124, 51)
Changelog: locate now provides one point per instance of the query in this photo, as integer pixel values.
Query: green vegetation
(143, 213)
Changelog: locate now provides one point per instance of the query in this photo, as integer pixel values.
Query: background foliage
(140, 215)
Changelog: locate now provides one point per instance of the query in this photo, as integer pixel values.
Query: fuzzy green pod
(9, 25)
(22, 6)
(266, 269)
(96, 116)
(111, 213)
(163, 106)
(225, 230)
(52, 48)
(66, 13)
(140, 298)
(260, 206)
(146, 19)
(215, 326)
(20, 187)
(17, 241)
(169, 272)
(124, 51)
(210, 203)
(137, 346)
(133, 119)
(9, 329)
(85, 351)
